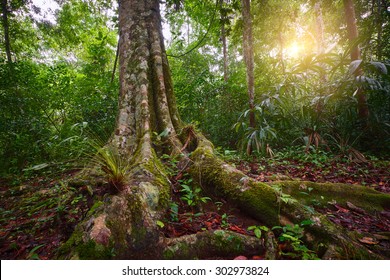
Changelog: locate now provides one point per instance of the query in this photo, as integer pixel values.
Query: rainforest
(188, 129)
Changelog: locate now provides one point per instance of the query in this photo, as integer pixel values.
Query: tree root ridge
(124, 225)
(213, 244)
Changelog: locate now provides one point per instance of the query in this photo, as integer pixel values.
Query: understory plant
(292, 245)
(113, 166)
(256, 138)
(191, 195)
(290, 237)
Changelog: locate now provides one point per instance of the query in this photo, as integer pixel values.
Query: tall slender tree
(353, 35)
(7, 44)
(319, 27)
(247, 42)
(224, 40)
(320, 33)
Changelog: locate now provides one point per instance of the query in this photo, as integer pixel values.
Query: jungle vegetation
(195, 129)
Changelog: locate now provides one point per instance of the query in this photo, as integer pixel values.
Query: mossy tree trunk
(124, 224)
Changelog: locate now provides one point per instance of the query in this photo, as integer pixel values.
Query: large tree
(124, 223)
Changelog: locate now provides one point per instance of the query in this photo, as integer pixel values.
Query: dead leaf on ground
(368, 240)
(355, 208)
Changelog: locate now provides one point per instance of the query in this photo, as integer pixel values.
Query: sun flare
(294, 50)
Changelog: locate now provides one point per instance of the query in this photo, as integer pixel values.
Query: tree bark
(353, 35)
(224, 43)
(248, 57)
(123, 224)
(379, 27)
(320, 42)
(225, 56)
(7, 44)
(319, 27)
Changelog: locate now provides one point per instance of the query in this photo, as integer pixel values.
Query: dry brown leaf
(368, 240)
(240, 258)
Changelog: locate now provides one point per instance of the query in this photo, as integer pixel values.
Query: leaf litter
(40, 215)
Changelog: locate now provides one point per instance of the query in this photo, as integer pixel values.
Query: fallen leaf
(381, 237)
(355, 208)
(341, 209)
(240, 258)
(368, 240)
(386, 214)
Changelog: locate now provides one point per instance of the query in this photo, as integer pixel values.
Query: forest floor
(40, 214)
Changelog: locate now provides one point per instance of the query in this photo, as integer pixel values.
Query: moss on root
(323, 193)
(264, 203)
(153, 171)
(209, 244)
(256, 199)
(76, 247)
(124, 225)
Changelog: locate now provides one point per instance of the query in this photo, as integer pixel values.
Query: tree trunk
(123, 224)
(225, 56)
(224, 41)
(379, 27)
(4, 8)
(353, 35)
(248, 57)
(320, 49)
(319, 27)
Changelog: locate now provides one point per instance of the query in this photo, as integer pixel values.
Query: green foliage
(204, 98)
(113, 165)
(257, 230)
(191, 194)
(224, 220)
(60, 80)
(321, 114)
(49, 95)
(174, 211)
(283, 197)
(292, 235)
(32, 254)
(290, 239)
(255, 138)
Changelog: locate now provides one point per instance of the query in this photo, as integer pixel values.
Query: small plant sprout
(160, 224)
(224, 220)
(191, 195)
(292, 235)
(219, 205)
(174, 211)
(257, 230)
(286, 198)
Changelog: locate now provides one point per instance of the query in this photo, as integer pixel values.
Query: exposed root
(124, 225)
(263, 203)
(213, 244)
